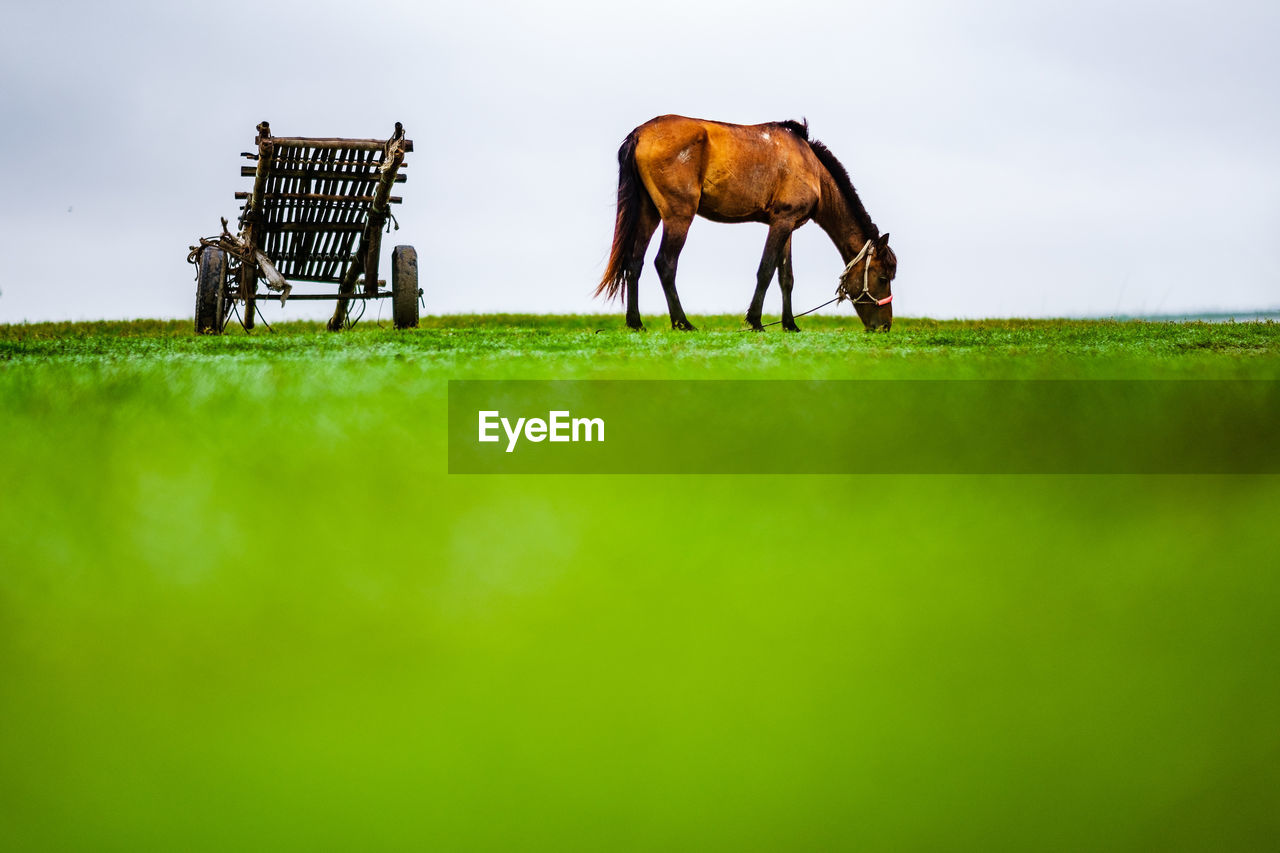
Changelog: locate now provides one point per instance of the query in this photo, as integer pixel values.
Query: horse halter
(865, 297)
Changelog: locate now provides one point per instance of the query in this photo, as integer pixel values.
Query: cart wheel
(211, 291)
(404, 287)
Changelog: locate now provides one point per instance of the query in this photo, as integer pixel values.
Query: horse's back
(725, 172)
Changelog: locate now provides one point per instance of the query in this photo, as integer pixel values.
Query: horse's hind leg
(674, 232)
(648, 224)
(779, 237)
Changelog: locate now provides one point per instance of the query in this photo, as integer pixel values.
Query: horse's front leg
(779, 236)
(787, 281)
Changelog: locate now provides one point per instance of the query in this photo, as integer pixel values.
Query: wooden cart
(316, 213)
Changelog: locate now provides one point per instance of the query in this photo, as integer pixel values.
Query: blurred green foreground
(243, 606)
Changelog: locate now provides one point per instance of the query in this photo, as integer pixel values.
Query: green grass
(243, 606)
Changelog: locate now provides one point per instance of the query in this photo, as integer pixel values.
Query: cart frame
(315, 214)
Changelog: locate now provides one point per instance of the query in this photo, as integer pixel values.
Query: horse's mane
(799, 128)
(838, 174)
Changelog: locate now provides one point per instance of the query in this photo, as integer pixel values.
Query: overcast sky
(1029, 159)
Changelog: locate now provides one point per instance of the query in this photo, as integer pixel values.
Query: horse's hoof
(684, 326)
(792, 328)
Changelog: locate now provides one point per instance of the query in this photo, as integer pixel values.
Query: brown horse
(673, 167)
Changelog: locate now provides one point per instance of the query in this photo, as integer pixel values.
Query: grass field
(243, 606)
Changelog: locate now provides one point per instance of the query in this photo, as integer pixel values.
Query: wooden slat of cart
(290, 182)
(323, 197)
(345, 215)
(331, 212)
(325, 213)
(271, 206)
(300, 184)
(352, 214)
(332, 215)
(322, 213)
(312, 201)
(303, 240)
(374, 145)
(269, 242)
(293, 170)
(293, 179)
(359, 212)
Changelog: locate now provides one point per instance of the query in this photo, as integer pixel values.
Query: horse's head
(865, 282)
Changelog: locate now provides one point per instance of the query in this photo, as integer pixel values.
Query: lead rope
(801, 314)
(842, 293)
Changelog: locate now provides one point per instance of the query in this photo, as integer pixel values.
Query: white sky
(1029, 159)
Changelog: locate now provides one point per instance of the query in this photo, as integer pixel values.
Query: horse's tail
(626, 230)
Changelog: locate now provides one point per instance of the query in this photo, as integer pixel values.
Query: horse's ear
(884, 240)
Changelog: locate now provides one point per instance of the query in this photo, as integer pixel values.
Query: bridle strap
(868, 249)
(868, 252)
